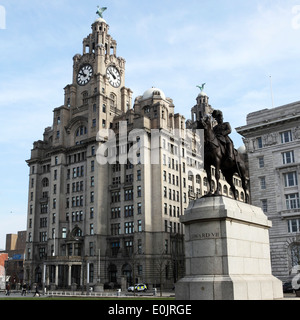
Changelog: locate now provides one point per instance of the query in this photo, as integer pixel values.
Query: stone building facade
(272, 139)
(109, 182)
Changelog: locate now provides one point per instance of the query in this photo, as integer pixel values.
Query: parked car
(138, 287)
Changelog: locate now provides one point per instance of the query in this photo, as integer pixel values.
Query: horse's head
(207, 122)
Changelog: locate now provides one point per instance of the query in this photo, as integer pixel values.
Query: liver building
(109, 182)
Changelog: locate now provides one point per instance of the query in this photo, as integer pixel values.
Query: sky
(238, 48)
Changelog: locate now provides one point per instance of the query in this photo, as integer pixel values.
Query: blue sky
(232, 45)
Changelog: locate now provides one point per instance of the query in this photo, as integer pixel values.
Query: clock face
(113, 76)
(84, 75)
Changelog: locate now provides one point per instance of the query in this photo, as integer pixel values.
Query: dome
(202, 94)
(242, 149)
(100, 20)
(153, 91)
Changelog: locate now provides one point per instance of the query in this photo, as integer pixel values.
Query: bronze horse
(215, 155)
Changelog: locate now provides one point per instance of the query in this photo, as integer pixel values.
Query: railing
(85, 294)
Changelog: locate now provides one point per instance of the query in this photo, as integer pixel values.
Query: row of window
(290, 180)
(128, 195)
(287, 158)
(292, 202)
(115, 228)
(128, 211)
(285, 137)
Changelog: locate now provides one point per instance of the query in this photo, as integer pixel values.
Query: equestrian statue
(219, 152)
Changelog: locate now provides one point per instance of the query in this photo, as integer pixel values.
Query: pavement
(18, 295)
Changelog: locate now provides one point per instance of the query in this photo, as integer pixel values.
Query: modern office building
(272, 139)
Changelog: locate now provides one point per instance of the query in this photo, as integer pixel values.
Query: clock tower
(98, 79)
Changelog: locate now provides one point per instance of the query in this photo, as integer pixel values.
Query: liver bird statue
(202, 87)
(100, 11)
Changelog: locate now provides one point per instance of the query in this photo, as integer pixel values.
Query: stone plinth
(227, 253)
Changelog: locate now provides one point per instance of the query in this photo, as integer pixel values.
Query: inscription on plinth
(207, 235)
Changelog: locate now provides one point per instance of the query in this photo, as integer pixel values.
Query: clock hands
(112, 74)
(84, 75)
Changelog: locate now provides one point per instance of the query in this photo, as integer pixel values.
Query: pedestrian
(36, 293)
(24, 289)
(7, 293)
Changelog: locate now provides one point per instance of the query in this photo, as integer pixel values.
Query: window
(293, 225)
(128, 211)
(290, 179)
(261, 162)
(91, 229)
(91, 213)
(262, 183)
(288, 157)
(286, 137)
(264, 205)
(129, 227)
(166, 246)
(45, 182)
(139, 209)
(166, 208)
(292, 201)
(115, 229)
(139, 175)
(139, 225)
(42, 252)
(129, 247)
(140, 248)
(115, 246)
(139, 191)
(128, 194)
(259, 143)
(81, 131)
(43, 222)
(91, 275)
(43, 236)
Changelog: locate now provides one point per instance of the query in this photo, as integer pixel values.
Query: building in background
(272, 139)
(3, 258)
(15, 255)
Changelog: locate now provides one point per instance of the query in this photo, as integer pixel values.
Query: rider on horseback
(222, 130)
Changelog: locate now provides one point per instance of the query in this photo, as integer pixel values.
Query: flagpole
(272, 96)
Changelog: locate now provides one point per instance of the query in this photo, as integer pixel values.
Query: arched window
(77, 232)
(295, 254)
(113, 100)
(112, 273)
(82, 130)
(85, 99)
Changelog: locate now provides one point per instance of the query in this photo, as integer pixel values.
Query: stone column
(70, 275)
(56, 276)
